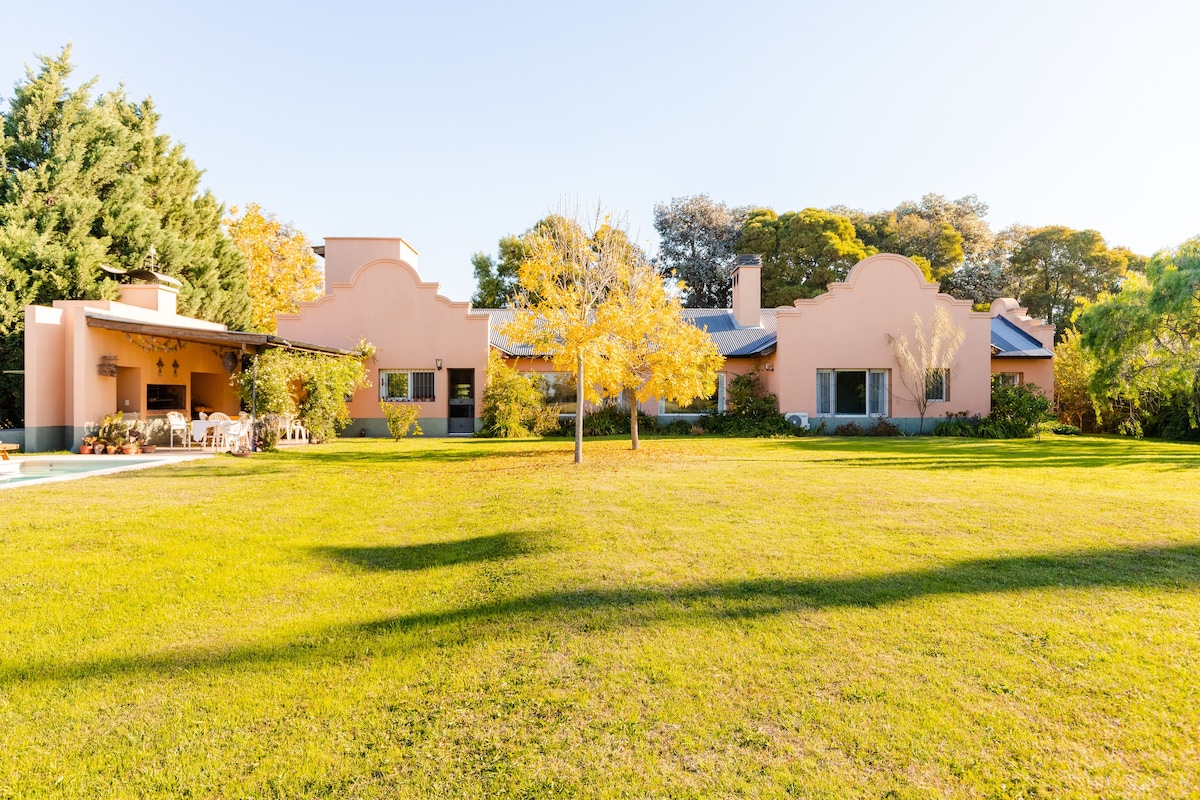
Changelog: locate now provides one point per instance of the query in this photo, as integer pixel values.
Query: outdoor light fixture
(768, 366)
(160, 365)
(438, 361)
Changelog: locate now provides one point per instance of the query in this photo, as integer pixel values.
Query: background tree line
(1128, 358)
(87, 181)
(1049, 269)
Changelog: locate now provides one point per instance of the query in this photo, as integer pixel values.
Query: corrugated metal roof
(729, 338)
(1010, 341)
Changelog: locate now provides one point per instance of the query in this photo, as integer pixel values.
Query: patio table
(225, 431)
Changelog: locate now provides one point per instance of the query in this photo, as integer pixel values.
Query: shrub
(958, 423)
(613, 420)
(884, 427)
(402, 419)
(1062, 429)
(849, 429)
(990, 428)
(314, 386)
(751, 411)
(1016, 411)
(513, 405)
(680, 427)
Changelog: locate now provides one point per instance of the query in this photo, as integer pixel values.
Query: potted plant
(114, 432)
(133, 442)
(88, 445)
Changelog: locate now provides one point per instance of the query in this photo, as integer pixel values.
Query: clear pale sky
(453, 124)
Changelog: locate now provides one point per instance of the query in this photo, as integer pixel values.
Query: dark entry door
(462, 400)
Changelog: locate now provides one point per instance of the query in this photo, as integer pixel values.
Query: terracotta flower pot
(85, 449)
(129, 449)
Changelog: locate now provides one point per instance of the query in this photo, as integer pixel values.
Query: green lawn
(704, 618)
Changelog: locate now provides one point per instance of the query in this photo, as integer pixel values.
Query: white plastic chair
(179, 424)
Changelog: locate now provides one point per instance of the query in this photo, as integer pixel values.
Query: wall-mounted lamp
(438, 361)
(769, 367)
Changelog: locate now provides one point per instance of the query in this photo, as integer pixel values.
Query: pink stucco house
(827, 358)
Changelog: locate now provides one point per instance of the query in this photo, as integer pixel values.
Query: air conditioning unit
(797, 418)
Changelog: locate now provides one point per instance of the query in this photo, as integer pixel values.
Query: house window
(399, 385)
(937, 385)
(852, 392)
(1008, 378)
(558, 388)
(165, 397)
(701, 405)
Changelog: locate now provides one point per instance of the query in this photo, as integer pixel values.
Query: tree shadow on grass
(1174, 568)
(970, 454)
(404, 558)
(447, 451)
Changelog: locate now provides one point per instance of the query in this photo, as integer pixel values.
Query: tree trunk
(633, 432)
(579, 409)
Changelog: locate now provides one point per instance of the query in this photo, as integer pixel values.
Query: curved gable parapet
(884, 261)
(406, 269)
(861, 276)
(412, 274)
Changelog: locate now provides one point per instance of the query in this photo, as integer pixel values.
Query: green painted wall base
(52, 437)
(376, 427)
(910, 425)
(13, 436)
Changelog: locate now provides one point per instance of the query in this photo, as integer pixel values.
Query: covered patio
(85, 359)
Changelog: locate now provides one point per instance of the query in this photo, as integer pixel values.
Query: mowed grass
(704, 618)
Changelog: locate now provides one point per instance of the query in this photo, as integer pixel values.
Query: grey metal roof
(729, 338)
(1009, 341)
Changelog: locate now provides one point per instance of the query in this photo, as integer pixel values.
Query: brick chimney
(747, 294)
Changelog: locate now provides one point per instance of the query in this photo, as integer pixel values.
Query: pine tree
(85, 182)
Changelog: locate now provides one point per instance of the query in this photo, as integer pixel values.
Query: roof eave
(255, 342)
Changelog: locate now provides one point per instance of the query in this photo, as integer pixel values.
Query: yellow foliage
(648, 348)
(593, 304)
(282, 269)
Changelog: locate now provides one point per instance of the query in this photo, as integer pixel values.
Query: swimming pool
(32, 470)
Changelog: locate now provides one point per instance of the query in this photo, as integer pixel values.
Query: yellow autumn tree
(567, 273)
(648, 349)
(282, 269)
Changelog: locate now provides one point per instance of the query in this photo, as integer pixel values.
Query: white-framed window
(399, 385)
(1009, 378)
(701, 405)
(937, 385)
(852, 392)
(558, 388)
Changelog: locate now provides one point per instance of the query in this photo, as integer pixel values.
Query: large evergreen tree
(88, 181)
(803, 251)
(698, 237)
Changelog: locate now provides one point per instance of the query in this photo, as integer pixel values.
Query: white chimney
(747, 293)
